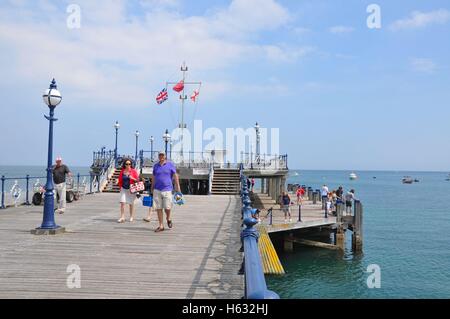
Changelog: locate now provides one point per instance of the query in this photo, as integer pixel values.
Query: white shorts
(162, 200)
(126, 197)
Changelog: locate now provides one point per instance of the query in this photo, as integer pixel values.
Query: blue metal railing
(255, 282)
(28, 178)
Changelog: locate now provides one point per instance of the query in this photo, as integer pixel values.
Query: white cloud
(423, 65)
(419, 19)
(118, 58)
(340, 29)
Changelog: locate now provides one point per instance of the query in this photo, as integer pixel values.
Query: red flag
(179, 86)
(195, 95)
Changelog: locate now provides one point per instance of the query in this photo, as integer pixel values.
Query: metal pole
(115, 149)
(78, 182)
(184, 69)
(49, 197)
(27, 202)
(90, 184)
(136, 153)
(326, 208)
(98, 183)
(151, 149)
(300, 212)
(3, 193)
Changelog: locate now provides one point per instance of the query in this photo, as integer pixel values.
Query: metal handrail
(28, 178)
(255, 282)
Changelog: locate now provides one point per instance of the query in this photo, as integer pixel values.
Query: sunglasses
(127, 164)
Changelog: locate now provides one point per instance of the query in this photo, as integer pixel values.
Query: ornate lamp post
(258, 141)
(166, 138)
(52, 98)
(116, 126)
(137, 138)
(152, 139)
(170, 152)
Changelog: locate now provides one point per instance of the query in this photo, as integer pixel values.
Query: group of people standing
(334, 197)
(162, 184)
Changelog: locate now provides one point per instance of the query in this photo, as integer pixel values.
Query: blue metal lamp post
(137, 138)
(166, 138)
(52, 98)
(152, 139)
(116, 126)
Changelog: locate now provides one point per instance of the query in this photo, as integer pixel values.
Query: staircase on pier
(226, 182)
(112, 186)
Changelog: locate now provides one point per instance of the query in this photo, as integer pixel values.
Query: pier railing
(22, 189)
(255, 282)
(264, 161)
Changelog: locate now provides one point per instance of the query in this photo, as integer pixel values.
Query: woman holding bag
(128, 176)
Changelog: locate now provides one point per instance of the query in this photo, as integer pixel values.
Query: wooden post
(357, 238)
(288, 243)
(340, 232)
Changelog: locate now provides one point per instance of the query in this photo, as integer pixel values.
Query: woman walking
(128, 176)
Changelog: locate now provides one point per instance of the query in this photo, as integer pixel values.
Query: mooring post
(300, 212)
(340, 232)
(27, 202)
(288, 243)
(357, 238)
(324, 199)
(3, 193)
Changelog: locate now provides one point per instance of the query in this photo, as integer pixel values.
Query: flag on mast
(195, 95)
(179, 86)
(162, 96)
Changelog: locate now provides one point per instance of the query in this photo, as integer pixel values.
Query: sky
(343, 95)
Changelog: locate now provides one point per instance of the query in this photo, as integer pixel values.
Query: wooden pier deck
(198, 258)
(312, 215)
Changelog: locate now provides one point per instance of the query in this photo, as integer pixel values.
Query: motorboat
(353, 176)
(407, 180)
(448, 178)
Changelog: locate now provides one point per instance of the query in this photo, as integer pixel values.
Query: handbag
(137, 187)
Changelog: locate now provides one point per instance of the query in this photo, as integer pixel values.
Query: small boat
(448, 178)
(353, 176)
(416, 181)
(407, 180)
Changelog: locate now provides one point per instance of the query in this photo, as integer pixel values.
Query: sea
(406, 238)
(406, 250)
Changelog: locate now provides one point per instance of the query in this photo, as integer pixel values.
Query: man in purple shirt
(164, 172)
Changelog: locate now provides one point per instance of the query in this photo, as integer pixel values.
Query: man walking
(59, 178)
(164, 172)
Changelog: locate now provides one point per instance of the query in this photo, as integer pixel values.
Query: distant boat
(416, 181)
(353, 176)
(448, 178)
(407, 180)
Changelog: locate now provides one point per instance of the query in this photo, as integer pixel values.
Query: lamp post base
(42, 231)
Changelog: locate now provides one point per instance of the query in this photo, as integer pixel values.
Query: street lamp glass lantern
(166, 136)
(152, 139)
(117, 125)
(52, 97)
(136, 133)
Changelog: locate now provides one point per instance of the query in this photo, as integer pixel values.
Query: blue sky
(344, 96)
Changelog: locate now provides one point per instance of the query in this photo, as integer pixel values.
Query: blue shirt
(125, 182)
(162, 176)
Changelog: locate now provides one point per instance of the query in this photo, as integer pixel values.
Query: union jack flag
(162, 96)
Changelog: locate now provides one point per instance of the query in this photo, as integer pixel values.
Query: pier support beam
(263, 185)
(288, 243)
(357, 238)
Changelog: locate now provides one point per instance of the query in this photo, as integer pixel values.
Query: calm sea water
(406, 233)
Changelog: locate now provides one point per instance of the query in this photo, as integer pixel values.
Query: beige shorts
(126, 197)
(162, 200)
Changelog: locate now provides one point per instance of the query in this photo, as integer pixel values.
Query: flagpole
(184, 69)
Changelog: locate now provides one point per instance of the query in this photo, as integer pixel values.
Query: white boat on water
(353, 176)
